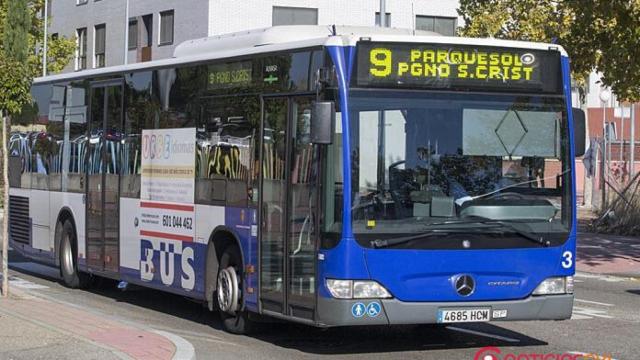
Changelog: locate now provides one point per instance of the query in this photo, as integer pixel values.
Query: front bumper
(334, 312)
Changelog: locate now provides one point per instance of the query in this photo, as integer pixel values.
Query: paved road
(606, 321)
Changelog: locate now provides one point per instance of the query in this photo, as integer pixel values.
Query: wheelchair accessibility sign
(373, 309)
(359, 309)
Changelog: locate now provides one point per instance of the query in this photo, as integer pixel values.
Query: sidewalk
(35, 327)
(608, 254)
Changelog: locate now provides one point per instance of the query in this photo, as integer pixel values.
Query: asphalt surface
(606, 321)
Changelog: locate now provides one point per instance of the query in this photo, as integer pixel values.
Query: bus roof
(279, 38)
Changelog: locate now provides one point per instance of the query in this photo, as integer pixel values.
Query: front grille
(19, 226)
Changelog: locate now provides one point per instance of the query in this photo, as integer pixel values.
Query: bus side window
(55, 131)
(76, 142)
(141, 113)
(39, 139)
(20, 143)
(226, 150)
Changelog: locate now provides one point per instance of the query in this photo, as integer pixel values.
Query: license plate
(463, 315)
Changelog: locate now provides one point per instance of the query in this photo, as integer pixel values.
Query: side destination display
(459, 67)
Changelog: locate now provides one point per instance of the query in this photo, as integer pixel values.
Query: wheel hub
(67, 256)
(228, 290)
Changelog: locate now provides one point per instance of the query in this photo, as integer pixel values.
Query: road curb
(184, 349)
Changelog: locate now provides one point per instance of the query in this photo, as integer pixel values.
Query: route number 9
(381, 60)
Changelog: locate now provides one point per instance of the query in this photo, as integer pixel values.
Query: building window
(100, 46)
(80, 2)
(166, 27)
(81, 48)
(54, 36)
(294, 16)
(387, 19)
(133, 34)
(442, 25)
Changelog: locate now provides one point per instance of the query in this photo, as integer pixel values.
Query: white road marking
(197, 335)
(24, 284)
(600, 356)
(607, 278)
(575, 316)
(184, 349)
(594, 302)
(591, 312)
(480, 333)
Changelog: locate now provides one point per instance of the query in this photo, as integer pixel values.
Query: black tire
(238, 322)
(68, 256)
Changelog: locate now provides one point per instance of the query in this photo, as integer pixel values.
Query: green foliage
(14, 76)
(15, 33)
(529, 20)
(21, 33)
(609, 30)
(14, 85)
(598, 34)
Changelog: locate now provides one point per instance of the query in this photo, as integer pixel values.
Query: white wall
(227, 16)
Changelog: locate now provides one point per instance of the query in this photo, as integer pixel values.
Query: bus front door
(288, 237)
(103, 168)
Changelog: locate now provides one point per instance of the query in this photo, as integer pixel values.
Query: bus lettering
(164, 257)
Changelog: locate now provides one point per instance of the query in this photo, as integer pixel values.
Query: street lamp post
(44, 41)
(383, 13)
(632, 157)
(126, 32)
(605, 96)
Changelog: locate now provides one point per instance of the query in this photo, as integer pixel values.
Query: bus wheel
(68, 259)
(229, 292)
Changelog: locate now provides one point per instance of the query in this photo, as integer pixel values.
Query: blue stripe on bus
(239, 221)
(343, 69)
(566, 81)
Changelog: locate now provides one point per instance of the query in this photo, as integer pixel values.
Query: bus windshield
(422, 159)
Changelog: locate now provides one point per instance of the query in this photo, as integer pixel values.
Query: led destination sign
(230, 75)
(457, 67)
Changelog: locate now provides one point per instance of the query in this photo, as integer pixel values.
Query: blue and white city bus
(332, 177)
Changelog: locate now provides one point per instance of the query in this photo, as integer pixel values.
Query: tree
(14, 87)
(609, 31)
(598, 34)
(60, 50)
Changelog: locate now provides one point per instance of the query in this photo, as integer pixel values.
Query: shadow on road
(635, 292)
(352, 340)
(381, 339)
(597, 249)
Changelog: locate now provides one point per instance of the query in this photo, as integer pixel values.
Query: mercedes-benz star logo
(465, 285)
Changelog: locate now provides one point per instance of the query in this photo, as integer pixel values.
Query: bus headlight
(555, 286)
(369, 290)
(340, 289)
(358, 289)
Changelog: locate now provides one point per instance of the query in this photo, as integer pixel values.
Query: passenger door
(288, 203)
(103, 169)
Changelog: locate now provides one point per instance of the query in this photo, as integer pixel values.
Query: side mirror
(323, 122)
(579, 131)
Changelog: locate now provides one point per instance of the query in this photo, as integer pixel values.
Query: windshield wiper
(382, 243)
(449, 225)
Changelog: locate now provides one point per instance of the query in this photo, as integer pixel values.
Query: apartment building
(154, 28)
